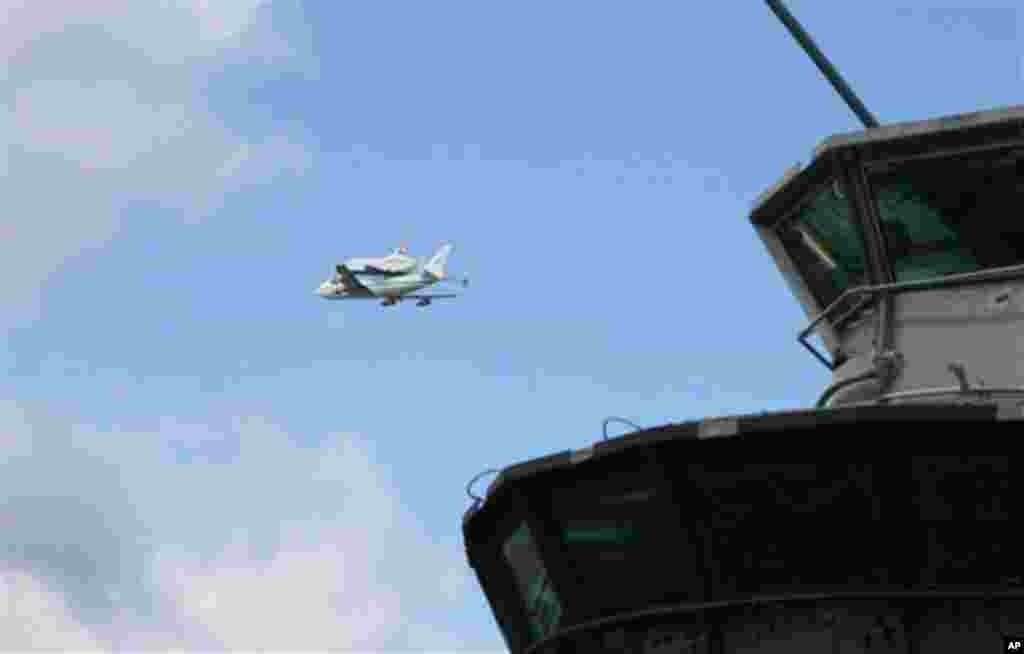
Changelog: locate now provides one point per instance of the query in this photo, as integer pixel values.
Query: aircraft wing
(428, 296)
(348, 279)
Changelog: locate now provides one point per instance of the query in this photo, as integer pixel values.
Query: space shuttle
(398, 262)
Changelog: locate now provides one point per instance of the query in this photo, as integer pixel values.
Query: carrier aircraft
(391, 279)
(839, 528)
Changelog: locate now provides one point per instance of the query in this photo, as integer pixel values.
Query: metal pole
(824, 65)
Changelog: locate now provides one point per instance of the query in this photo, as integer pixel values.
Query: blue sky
(197, 451)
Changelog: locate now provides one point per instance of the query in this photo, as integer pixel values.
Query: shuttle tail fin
(436, 267)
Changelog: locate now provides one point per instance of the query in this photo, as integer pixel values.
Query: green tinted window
(622, 534)
(826, 245)
(952, 215)
(542, 605)
(577, 533)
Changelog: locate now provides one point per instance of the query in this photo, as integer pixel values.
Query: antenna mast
(824, 65)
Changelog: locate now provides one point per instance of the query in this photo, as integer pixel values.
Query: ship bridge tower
(864, 524)
(904, 246)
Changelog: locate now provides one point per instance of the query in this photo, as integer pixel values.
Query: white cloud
(222, 20)
(106, 112)
(166, 31)
(274, 547)
(198, 533)
(318, 591)
(109, 128)
(35, 618)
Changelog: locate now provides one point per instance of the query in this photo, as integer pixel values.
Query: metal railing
(935, 391)
(873, 292)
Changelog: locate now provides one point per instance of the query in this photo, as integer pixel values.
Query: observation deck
(861, 525)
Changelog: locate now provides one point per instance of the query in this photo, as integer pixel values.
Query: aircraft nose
(327, 290)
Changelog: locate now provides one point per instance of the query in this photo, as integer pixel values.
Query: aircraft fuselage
(376, 286)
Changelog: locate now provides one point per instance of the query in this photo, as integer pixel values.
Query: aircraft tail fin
(437, 265)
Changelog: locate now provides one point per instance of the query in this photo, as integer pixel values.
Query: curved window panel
(825, 244)
(952, 215)
(543, 608)
(623, 535)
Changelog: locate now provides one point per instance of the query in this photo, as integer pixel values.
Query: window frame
(822, 295)
(889, 164)
(498, 579)
(797, 194)
(528, 610)
(584, 605)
